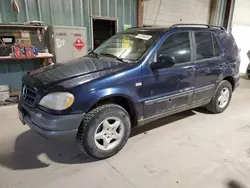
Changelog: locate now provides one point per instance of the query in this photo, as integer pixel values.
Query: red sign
(78, 44)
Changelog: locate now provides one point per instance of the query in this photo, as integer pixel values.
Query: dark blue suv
(137, 76)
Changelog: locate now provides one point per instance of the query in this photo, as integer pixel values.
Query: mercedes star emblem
(24, 92)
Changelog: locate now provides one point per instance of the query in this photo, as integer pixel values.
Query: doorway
(102, 30)
(222, 13)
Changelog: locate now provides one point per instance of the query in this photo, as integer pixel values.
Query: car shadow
(30, 147)
(234, 184)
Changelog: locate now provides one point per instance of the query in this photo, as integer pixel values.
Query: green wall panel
(12, 71)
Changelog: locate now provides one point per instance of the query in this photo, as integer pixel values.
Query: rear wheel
(221, 98)
(104, 131)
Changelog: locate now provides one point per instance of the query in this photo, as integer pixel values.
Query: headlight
(57, 101)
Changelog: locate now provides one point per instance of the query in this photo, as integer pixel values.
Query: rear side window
(178, 46)
(206, 45)
(217, 50)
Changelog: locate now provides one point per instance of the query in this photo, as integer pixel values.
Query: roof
(160, 29)
(146, 30)
(178, 27)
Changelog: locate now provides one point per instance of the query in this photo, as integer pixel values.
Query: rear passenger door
(208, 64)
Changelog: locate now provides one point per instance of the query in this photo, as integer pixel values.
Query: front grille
(29, 95)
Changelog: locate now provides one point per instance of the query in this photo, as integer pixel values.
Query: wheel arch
(122, 100)
(231, 80)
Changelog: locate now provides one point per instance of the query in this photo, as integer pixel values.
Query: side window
(204, 45)
(177, 46)
(217, 50)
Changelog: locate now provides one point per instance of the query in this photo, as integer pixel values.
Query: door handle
(223, 65)
(190, 70)
(207, 70)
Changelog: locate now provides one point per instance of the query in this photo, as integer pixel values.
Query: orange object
(17, 51)
(29, 52)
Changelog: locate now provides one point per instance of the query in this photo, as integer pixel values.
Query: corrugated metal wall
(70, 12)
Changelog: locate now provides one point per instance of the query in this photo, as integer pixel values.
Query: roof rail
(133, 28)
(197, 25)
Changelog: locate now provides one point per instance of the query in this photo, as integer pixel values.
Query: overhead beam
(139, 13)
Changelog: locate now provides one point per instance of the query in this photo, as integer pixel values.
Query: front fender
(85, 102)
(115, 91)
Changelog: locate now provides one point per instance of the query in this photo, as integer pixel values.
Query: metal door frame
(101, 18)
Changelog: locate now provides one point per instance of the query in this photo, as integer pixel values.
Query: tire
(94, 124)
(214, 105)
(248, 77)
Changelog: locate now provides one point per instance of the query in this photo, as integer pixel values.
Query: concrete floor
(191, 149)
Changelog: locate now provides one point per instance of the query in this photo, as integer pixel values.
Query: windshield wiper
(95, 54)
(113, 56)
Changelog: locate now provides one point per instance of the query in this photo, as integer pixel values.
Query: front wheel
(221, 98)
(104, 131)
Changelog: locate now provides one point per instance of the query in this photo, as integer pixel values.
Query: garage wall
(242, 13)
(169, 12)
(241, 30)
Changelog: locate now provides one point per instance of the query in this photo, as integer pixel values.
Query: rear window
(207, 45)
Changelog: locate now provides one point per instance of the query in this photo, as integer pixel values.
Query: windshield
(128, 45)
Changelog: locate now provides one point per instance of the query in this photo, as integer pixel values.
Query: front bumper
(55, 127)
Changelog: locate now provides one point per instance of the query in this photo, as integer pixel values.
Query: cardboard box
(24, 42)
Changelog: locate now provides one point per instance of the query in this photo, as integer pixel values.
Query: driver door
(171, 87)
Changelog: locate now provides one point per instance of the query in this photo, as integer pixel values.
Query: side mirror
(163, 61)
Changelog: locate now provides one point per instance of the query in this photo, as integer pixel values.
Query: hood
(77, 68)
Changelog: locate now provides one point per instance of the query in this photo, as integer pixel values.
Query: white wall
(241, 30)
(242, 37)
(242, 12)
(169, 12)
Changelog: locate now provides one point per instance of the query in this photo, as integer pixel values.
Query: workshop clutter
(22, 41)
(23, 48)
(18, 51)
(4, 49)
